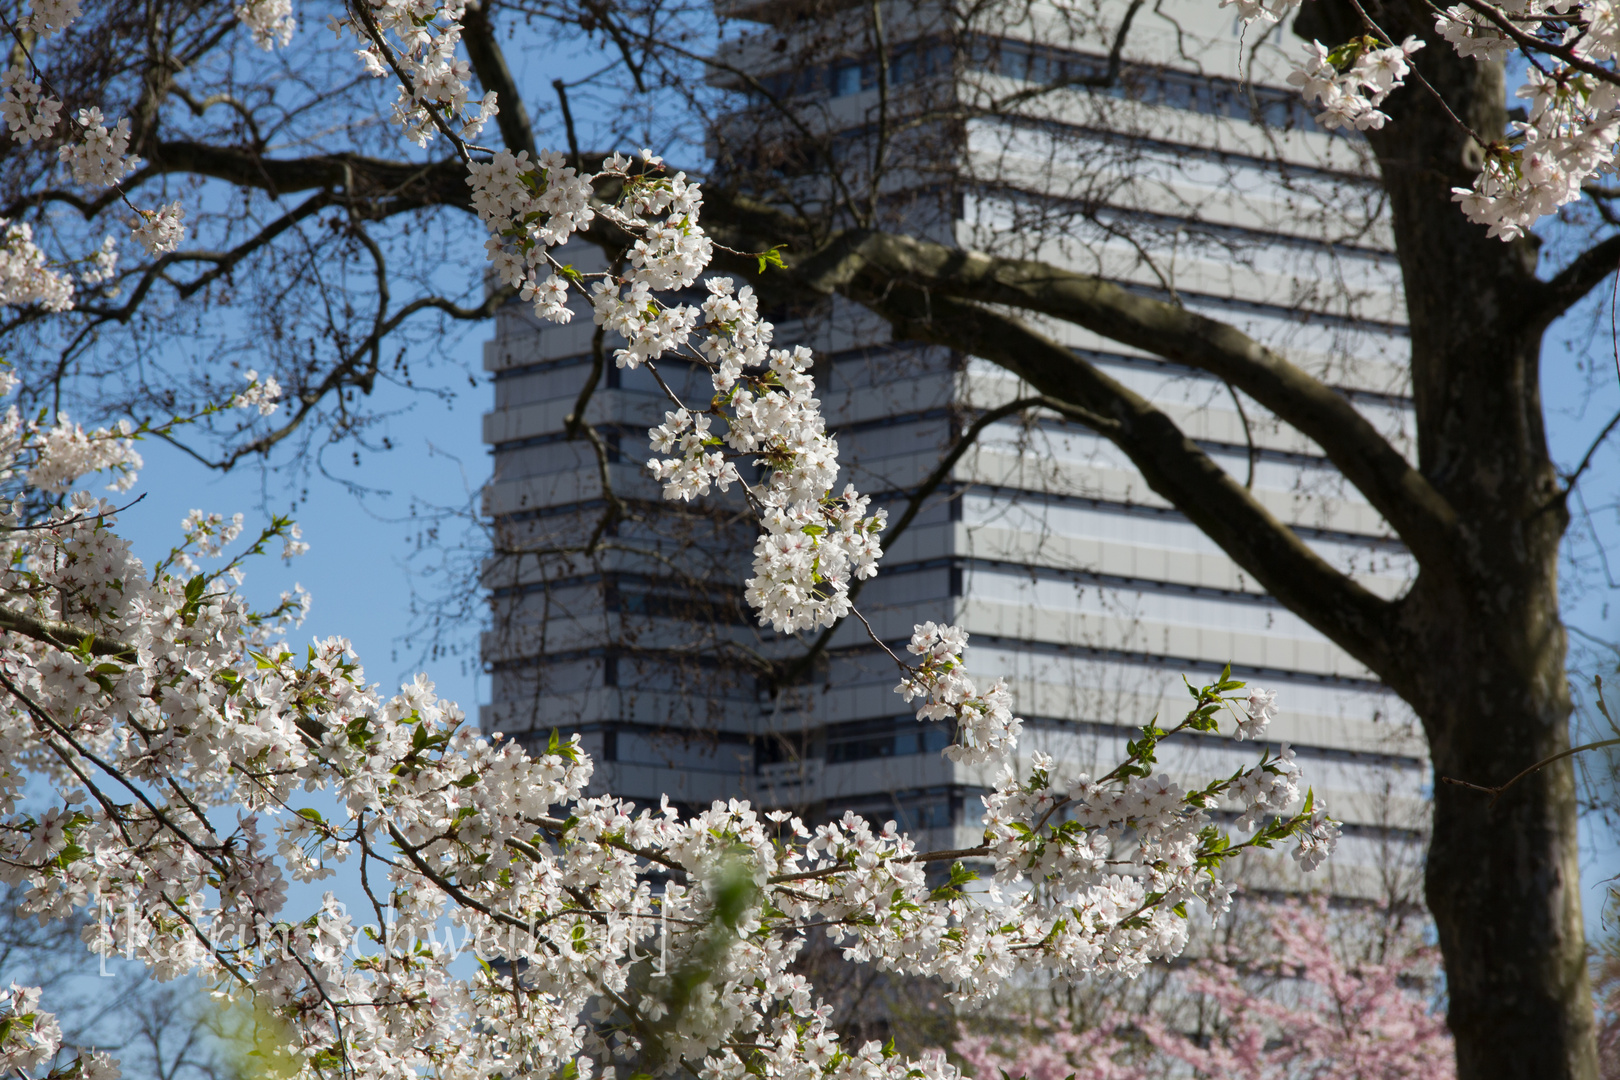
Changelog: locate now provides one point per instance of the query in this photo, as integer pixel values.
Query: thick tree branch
(869, 263)
(374, 187)
(489, 64)
(63, 635)
(1362, 623)
(1574, 281)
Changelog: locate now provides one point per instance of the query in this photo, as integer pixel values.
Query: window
(847, 80)
(890, 737)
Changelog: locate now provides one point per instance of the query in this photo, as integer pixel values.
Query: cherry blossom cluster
(1270, 11)
(101, 265)
(1258, 711)
(67, 451)
(31, 1038)
(986, 728)
(26, 276)
(415, 42)
(1328, 1007)
(1474, 35)
(1573, 124)
(816, 540)
(529, 208)
(1075, 835)
(1569, 135)
(160, 231)
(1350, 82)
(29, 113)
(814, 543)
(262, 396)
(271, 22)
(101, 157)
(190, 761)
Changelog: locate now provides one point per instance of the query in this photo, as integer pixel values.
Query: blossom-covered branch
(187, 764)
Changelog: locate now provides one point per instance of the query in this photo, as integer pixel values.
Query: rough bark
(1483, 661)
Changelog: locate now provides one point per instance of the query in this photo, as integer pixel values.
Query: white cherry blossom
(271, 22)
(160, 231)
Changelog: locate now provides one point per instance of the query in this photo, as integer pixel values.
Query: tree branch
(63, 635)
(868, 264)
(1574, 281)
(1573, 478)
(1357, 620)
(489, 64)
(223, 262)
(374, 187)
(800, 664)
(342, 373)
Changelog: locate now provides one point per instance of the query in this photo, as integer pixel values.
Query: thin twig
(1496, 792)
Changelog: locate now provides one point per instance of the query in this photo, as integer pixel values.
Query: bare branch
(374, 187)
(1173, 466)
(1574, 281)
(867, 264)
(802, 663)
(489, 64)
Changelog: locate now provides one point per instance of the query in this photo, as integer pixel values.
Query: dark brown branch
(1574, 281)
(604, 18)
(568, 124)
(1586, 459)
(489, 64)
(1109, 77)
(87, 208)
(880, 147)
(1362, 623)
(223, 262)
(867, 264)
(1496, 791)
(1248, 435)
(374, 187)
(343, 373)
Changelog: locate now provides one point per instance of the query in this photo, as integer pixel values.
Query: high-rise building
(1181, 165)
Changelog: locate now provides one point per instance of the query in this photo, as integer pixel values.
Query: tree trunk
(1502, 878)
(1480, 649)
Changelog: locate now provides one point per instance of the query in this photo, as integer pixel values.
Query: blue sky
(1581, 388)
(368, 553)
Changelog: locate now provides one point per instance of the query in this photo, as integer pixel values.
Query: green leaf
(772, 257)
